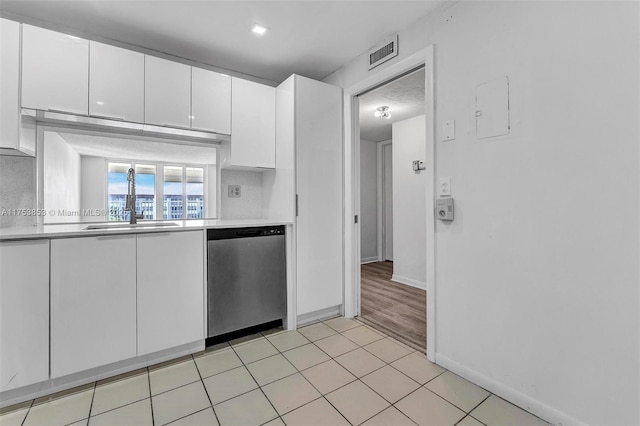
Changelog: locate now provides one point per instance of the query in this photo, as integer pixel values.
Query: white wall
(537, 279)
(409, 203)
(368, 200)
(61, 179)
(249, 204)
(94, 186)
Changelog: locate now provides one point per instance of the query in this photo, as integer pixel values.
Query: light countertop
(79, 229)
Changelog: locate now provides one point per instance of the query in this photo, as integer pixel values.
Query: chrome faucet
(131, 198)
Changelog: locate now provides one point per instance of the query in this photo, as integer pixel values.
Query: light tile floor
(336, 372)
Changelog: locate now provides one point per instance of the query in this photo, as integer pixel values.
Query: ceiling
(144, 150)
(405, 99)
(306, 37)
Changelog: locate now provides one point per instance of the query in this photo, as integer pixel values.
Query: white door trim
(381, 204)
(352, 188)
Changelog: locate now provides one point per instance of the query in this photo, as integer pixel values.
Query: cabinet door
(318, 129)
(170, 290)
(93, 302)
(55, 71)
(210, 101)
(24, 313)
(9, 83)
(253, 125)
(167, 98)
(116, 88)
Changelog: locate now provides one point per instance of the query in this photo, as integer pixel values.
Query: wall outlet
(234, 191)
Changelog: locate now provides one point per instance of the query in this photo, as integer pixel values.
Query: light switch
(444, 186)
(449, 130)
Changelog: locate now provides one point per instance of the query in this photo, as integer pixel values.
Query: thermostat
(444, 208)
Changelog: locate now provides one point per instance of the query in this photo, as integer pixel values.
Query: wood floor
(396, 309)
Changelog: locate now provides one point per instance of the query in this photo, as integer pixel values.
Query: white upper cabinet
(253, 125)
(55, 71)
(167, 99)
(9, 83)
(116, 83)
(210, 101)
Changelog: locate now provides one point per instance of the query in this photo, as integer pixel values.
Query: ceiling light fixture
(383, 112)
(259, 29)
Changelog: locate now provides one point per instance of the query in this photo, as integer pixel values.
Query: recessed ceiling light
(259, 29)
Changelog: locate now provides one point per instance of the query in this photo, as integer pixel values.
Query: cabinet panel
(24, 313)
(55, 71)
(116, 87)
(210, 101)
(170, 290)
(9, 83)
(318, 146)
(253, 121)
(93, 302)
(167, 99)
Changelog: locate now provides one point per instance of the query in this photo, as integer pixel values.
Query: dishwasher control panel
(257, 231)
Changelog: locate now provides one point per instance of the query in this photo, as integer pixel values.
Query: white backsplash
(17, 189)
(249, 204)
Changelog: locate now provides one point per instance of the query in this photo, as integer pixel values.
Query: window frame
(159, 184)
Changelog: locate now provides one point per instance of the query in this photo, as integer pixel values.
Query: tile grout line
(389, 364)
(254, 379)
(27, 413)
(205, 391)
(298, 371)
(331, 358)
(307, 380)
(153, 420)
(93, 397)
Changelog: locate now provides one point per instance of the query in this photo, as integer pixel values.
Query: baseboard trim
(408, 281)
(512, 395)
(369, 260)
(322, 314)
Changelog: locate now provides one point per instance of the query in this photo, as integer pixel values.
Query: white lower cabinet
(93, 302)
(170, 289)
(24, 313)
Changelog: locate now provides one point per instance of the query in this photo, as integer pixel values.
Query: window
(172, 206)
(180, 191)
(195, 192)
(118, 187)
(183, 192)
(146, 190)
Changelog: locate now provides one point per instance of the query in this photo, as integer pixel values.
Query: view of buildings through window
(182, 191)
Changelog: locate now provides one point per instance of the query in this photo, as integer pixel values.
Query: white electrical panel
(492, 108)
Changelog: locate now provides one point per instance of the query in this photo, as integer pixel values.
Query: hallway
(396, 309)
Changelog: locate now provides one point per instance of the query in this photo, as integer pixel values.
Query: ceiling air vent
(383, 52)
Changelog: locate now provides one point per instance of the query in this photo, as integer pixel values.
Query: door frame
(381, 204)
(352, 183)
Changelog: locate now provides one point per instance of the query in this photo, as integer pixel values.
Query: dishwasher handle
(246, 232)
(252, 233)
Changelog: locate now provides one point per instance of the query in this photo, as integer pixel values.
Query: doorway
(352, 305)
(393, 280)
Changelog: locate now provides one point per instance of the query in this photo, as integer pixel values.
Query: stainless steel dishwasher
(246, 278)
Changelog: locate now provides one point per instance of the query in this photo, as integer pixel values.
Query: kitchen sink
(129, 225)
